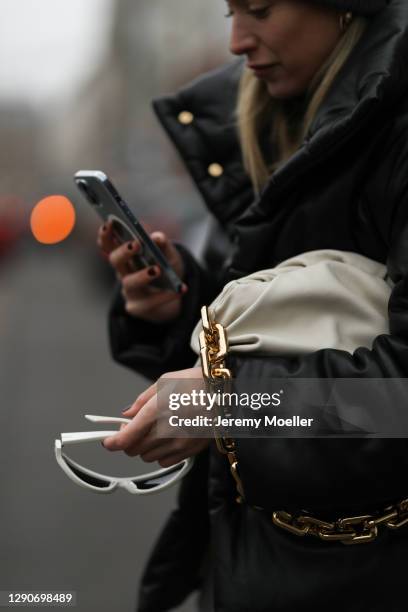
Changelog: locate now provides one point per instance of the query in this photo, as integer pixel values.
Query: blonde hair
(256, 107)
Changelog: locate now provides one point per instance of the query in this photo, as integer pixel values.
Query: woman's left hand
(137, 438)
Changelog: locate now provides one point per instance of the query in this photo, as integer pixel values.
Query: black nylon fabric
(346, 188)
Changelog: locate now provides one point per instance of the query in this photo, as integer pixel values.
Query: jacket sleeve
(348, 475)
(152, 349)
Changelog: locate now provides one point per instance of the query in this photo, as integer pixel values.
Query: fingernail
(130, 246)
(152, 271)
(104, 228)
(184, 289)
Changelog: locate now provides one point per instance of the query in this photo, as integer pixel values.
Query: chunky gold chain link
(213, 351)
(350, 530)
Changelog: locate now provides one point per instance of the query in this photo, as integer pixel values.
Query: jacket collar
(371, 84)
(375, 73)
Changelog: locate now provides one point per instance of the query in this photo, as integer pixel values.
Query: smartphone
(100, 193)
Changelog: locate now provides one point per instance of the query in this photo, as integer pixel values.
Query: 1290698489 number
(37, 598)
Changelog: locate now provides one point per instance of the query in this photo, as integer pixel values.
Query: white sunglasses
(100, 483)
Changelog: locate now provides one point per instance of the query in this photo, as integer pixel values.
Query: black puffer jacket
(346, 188)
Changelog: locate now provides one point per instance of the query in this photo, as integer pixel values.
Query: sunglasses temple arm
(85, 436)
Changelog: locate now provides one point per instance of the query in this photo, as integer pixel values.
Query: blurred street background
(76, 81)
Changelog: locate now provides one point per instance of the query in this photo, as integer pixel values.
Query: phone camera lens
(87, 191)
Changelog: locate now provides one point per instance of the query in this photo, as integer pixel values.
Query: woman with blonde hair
(301, 146)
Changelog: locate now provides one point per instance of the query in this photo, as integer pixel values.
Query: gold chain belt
(350, 530)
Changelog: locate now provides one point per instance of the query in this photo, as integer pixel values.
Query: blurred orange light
(52, 219)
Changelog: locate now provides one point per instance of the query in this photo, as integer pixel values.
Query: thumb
(170, 252)
(162, 242)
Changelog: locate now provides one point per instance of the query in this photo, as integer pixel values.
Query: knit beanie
(358, 7)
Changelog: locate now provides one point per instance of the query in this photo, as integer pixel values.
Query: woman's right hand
(141, 299)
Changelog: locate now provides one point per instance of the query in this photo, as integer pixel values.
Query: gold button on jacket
(215, 170)
(185, 117)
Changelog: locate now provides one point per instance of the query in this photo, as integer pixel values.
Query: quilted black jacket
(345, 188)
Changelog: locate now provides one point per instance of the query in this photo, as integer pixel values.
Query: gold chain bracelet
(350, 530)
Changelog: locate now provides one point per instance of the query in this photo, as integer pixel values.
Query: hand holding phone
(100, 193)
(150, 270)
(143, 300)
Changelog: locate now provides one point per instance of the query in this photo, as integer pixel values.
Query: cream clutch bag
(316, 300)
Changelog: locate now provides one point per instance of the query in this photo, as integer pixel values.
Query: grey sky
(48, 47)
